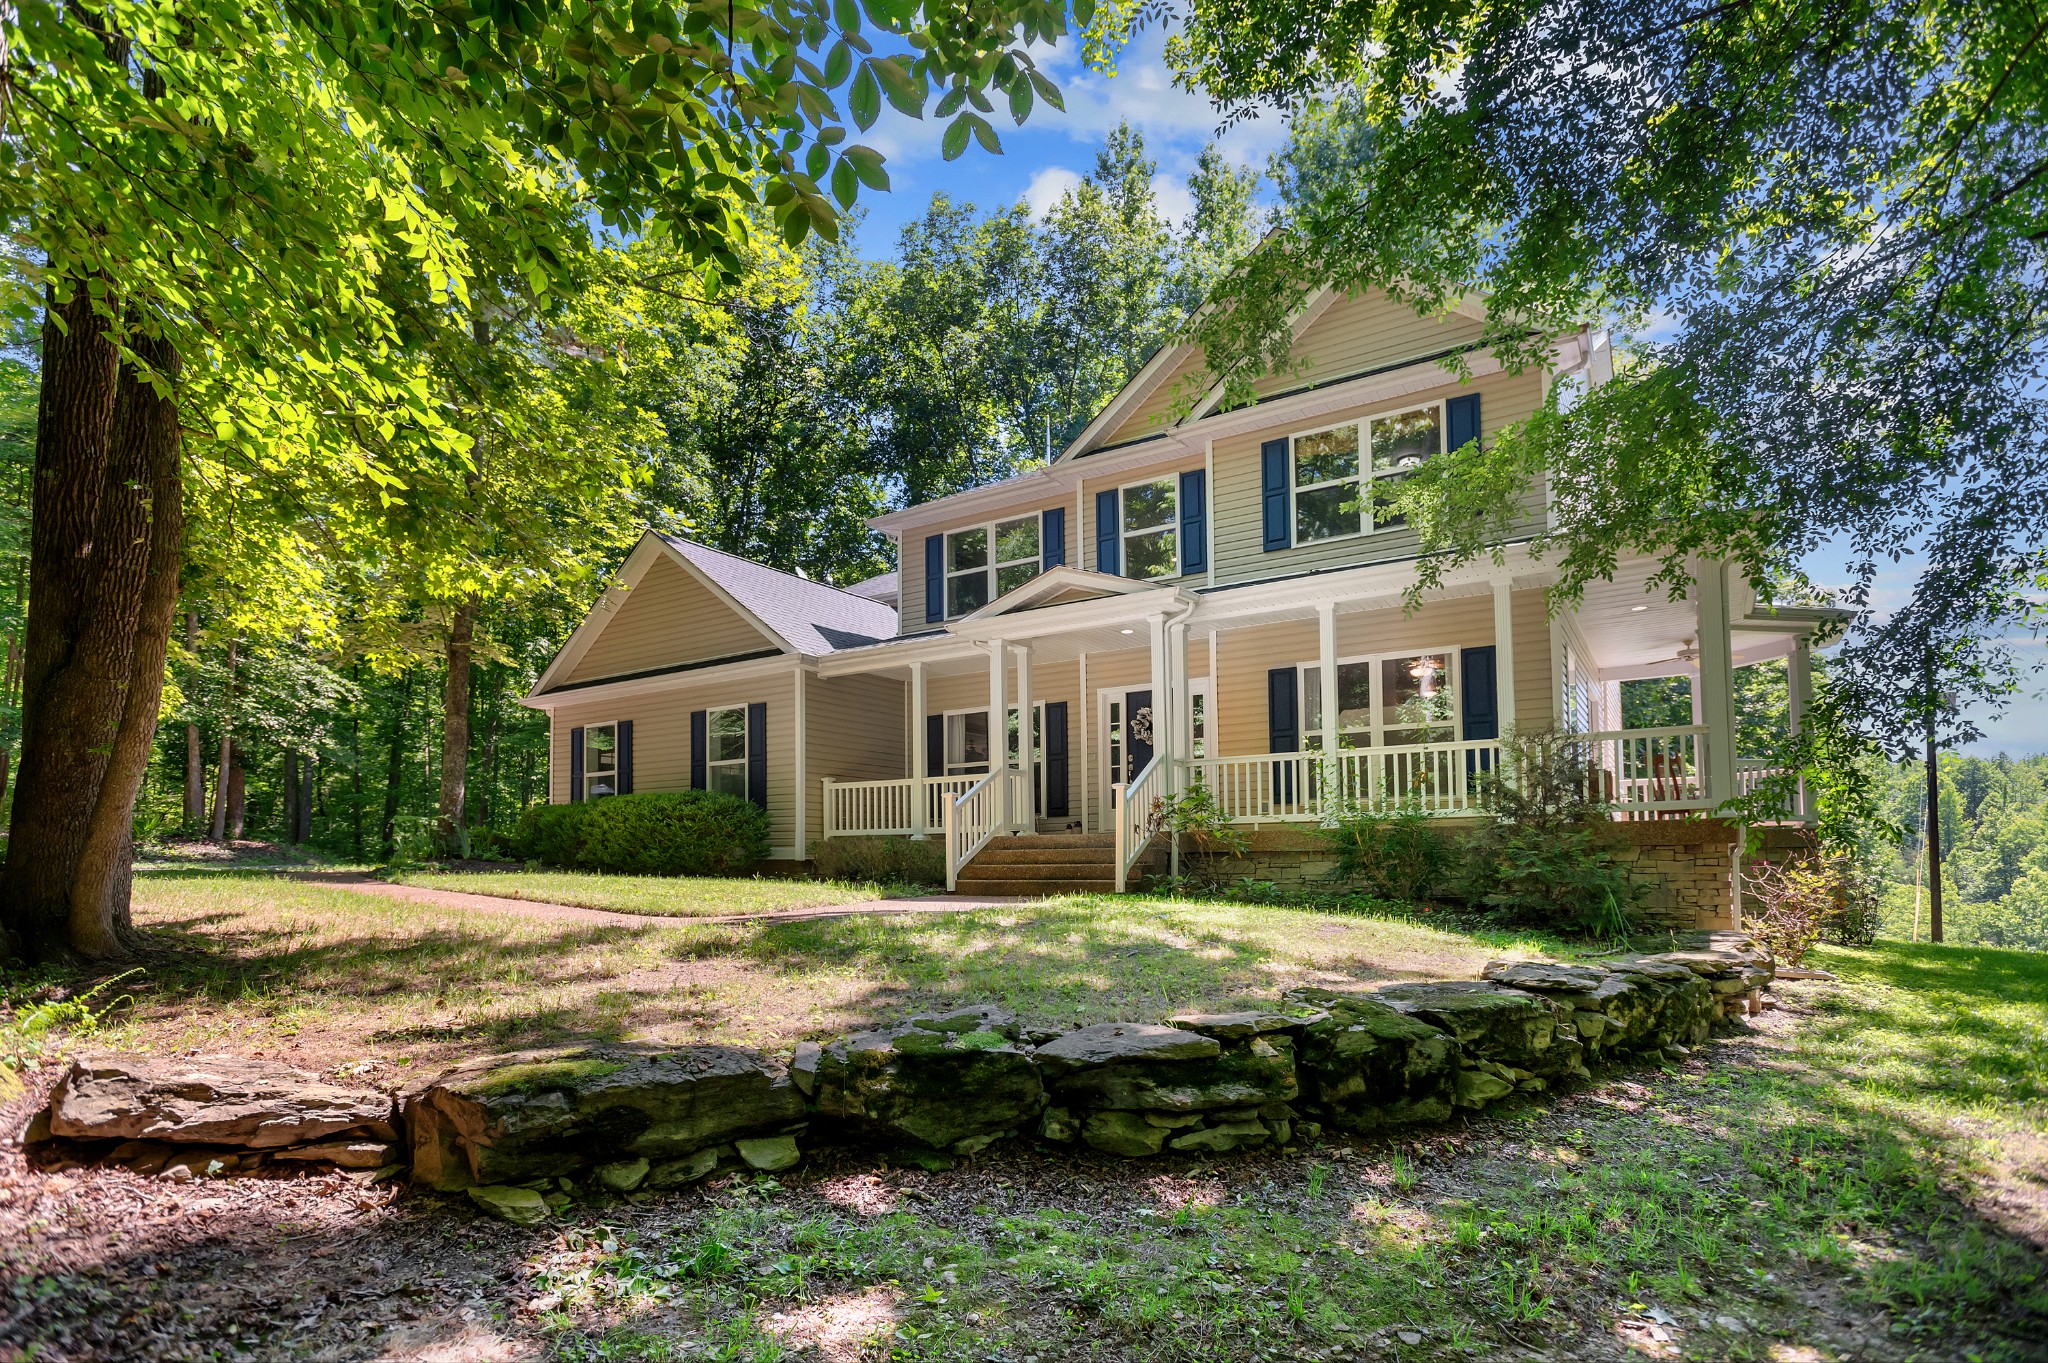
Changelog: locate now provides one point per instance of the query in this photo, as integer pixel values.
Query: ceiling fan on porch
(1688, 652)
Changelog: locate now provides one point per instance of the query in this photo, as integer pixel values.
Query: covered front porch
(1292, 702)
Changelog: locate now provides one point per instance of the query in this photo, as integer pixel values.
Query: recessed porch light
(1633, 609)
(1130, 631)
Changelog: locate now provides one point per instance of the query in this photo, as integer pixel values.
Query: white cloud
(1047, 188)
(1176, 122)
(1176, 205)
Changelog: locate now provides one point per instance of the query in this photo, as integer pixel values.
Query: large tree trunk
(355, 750)
(238, 795)
(288, 808)
(195, 748)
(145, 436)
(227, 746)
(394, 774)
(64, 713)
(452, 830)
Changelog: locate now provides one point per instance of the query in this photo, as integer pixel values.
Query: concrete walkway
(576, 913)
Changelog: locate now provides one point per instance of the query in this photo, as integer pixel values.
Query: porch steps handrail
(1131, 808)
(971, 819)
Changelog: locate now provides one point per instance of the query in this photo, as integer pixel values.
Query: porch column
(1162, 704)
(1798, 695)
(1326, 625)
(1716, 690)
(1504, 654)
(1027, 820)
(1084, 716)
(998, 717)
(920, 754)
(1183, 704)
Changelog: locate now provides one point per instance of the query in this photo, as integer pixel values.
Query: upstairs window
(1344, 488)
(1151, 548)
(987, 561)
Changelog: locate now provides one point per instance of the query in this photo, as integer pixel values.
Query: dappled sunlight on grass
(661, 896)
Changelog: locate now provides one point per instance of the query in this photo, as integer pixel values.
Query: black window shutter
(576, 764)
(700, 738)
(757, 753)
(1481, 702)
(1194, 521)
(625, 757)
(1461, 421)
(1052, 538)
(1274, 477)
(934, 745)
(1055, 759)
(1108, 534)
(934, 578)
(1283, 710)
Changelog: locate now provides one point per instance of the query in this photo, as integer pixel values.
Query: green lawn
(662, 896)
(324, 974)
(1813, 1193)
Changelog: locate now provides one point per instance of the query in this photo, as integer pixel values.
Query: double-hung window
(725, 755)
(1389, 702)
(986, 561)
(1151, 547)
(1344, 487)
(600, 761)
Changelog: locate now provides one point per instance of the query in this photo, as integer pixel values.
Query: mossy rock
(1369, 1065)
(929, 1083)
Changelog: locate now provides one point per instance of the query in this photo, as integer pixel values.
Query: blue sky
(1053, 150)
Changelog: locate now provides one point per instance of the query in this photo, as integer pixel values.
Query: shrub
(1405, 855)
(1791, 905)
(1195, 816)
(881, 861)
(674, 833)
(1540, 858)
(550, 834)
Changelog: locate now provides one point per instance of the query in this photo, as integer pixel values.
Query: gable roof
(809, 617)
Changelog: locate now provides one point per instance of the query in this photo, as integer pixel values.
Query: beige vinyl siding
(855, 733)
(1535, 667)
(1239, 550)
(910, 580)
(1362, 334)
(669, 618)
(1150, 416)
(661, 741)
(1172, 468)
(1245, 656)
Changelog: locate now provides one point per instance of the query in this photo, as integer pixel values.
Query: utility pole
(1933, 808)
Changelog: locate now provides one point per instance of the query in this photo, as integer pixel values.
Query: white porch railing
(878, 808)
(1131, 807)
(971, 819)
(1301, 787)
(1646, 772)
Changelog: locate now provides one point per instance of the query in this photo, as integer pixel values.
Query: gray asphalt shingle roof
(813, 617)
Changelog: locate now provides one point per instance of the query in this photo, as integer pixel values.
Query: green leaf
(816, 160)
(950, 103)
(867, 164)
(957, 133)
(985, 134)
(1020, 100)
(846, 14)
(905, 90)
(845, 186)
(1084, 13)
(864, 100)
(1048, 92)
(838, 62)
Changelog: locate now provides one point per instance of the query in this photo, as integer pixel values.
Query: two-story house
(1184, 595)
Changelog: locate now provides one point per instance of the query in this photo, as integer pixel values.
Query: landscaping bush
(1791, 905)
(1402, 856)
(1544, 856)
(674, 833)
(895, 860)
(1194, 819)
(550, 834)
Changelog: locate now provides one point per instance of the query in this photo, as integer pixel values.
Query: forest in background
(308, 698)
(830, 388)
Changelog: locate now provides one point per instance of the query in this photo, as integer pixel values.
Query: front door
(1138, 705)
(1127, 737)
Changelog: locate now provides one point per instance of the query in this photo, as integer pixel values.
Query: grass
(660, 896)
(320, 973)
(1806, 1195)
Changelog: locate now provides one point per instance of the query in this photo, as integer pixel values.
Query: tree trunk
(452, 831)
(59, 775)
(302, 812)
(394, 775)
(227, 741)
(355, 751)
(147, 419)
(238, 795)
(288, 808)
(195, 749)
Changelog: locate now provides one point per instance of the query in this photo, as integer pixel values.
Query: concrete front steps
(1045, 863)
